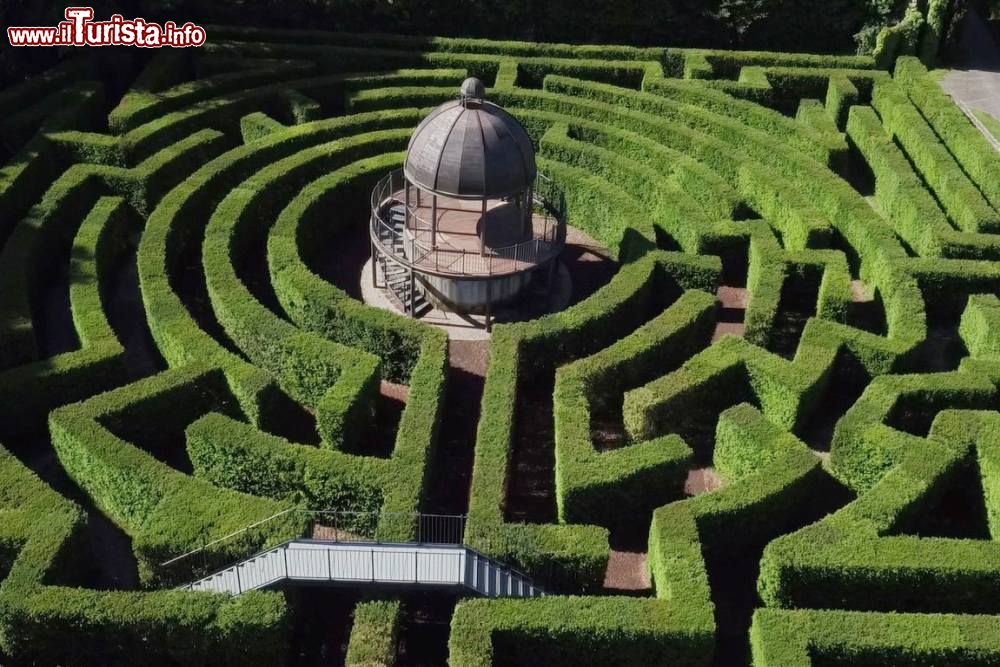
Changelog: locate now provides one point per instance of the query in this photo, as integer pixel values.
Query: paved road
(979, 89)
(976, 79)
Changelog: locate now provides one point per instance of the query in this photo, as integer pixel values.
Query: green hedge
(805, 637)
(978, 159)
(870, 438)
(340, 382)
(292, 102)
(70, 626)
(26, 175)
(28, 392)
(411, 352)
(165, 512)
(315, 304)
(959, 196)
(49, 227)
(51, 624)
(767, 474)
(731, 371)
(904, 199)
(177, 221)
(375, 634)
(522, 352)
(575, 631)
(140, 106)
(866, 555)
(980, 326)
(770, 480)
(618, 488)
(234, 455)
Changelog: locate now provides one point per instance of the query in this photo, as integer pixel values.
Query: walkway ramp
(308, 561)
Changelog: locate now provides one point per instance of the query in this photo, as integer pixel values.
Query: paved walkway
(978, 89)
(976, 80)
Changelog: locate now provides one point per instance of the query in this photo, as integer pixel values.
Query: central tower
(463, 224)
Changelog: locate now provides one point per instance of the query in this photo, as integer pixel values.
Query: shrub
(52, 624)
(617, 488)
(374, 634)
(959, 196)
(861, 557)
(976, 156)
(166, 512)
(590, 631)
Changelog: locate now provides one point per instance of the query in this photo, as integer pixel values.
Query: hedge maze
(178, 361)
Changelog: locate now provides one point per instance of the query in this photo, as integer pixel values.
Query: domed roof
(470, 149)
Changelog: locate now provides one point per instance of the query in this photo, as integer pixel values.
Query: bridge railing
(299, 562)
(329, 525)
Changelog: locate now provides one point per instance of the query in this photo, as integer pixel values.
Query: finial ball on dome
(473, 88)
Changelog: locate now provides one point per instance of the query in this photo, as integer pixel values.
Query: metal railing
(416, 250)
(348, 526)
(310, 561)
(296, 562)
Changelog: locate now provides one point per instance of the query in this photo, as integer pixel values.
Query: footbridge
(333, 555)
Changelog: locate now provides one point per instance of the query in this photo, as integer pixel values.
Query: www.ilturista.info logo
(79, 29)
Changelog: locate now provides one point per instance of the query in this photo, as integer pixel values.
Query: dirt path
(451, 466)
(731, 312)
(127, 316)
(111, 564)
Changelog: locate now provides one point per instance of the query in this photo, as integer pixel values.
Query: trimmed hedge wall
(234, 455)
(375, 634)
(805, 637)
(49, 227)
(959, 196)
(29, 391)
(340, 382)
(523, 352)
(768, 473)
(879, 429)
(976, 156)
(174, 224)
(165, 512)
(589, 631)
(861, 557)
(410, 351)
(47, 624)
(618, 488)
(904, 199)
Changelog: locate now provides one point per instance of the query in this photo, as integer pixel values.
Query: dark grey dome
(470, 149)
(473, 88)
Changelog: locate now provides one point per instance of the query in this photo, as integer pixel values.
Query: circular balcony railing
(410, 244)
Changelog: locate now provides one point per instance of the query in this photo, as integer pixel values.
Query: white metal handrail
(440, 528)
(322, 561)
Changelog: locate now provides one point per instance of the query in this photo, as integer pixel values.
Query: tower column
(482, 231)
(406, 207)
(434, 221)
